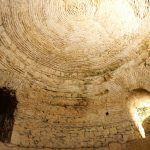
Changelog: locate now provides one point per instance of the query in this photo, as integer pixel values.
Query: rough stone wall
(45, 118)
(132, 145)
(69, 72)
(146, 125)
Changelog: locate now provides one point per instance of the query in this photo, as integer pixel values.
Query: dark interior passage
(8, 105)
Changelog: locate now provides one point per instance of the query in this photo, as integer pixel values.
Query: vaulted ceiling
(73, 38)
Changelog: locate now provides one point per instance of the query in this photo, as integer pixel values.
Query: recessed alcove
(8, 105)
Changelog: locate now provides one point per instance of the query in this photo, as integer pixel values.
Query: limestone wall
(74, 65)
(134, 145)
(45, 118)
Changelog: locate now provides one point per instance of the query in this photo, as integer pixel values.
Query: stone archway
(140, 108)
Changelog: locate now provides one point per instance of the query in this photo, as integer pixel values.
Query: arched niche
(8, 104)
(139, 105)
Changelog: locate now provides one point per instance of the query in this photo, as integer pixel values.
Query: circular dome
(71, 38)
(73, 64)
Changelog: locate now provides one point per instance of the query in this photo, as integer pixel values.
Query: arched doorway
(8, 105)
(139, 104)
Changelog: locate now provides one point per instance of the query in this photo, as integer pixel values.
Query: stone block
(15, 138)
(115, 146)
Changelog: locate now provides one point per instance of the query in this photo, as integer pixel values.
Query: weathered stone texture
(74, 65)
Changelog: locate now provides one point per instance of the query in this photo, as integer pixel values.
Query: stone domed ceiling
(74, 64)
(71, 38)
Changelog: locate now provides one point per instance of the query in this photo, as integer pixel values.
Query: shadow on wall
(146, 126)
(139, 105)
(8, 104)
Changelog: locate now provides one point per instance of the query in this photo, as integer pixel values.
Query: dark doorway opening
(8, 104)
